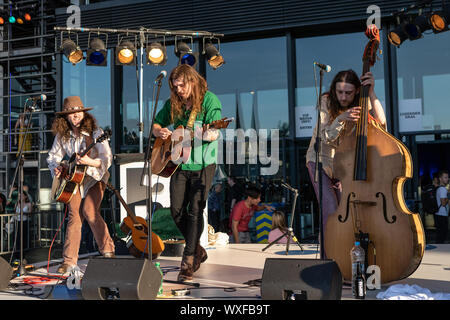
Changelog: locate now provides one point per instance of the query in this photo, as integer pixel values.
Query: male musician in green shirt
(190, 183)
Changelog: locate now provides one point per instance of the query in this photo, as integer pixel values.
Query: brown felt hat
(72, 104)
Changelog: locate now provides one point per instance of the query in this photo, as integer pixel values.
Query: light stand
(318, 167)
(289, 233)
(19, 172)
(147, 171)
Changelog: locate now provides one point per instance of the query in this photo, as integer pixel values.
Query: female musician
(75, 129)
(338, 109)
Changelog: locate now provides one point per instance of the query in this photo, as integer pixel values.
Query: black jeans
(188, 196)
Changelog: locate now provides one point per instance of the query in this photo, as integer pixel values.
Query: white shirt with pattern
(100, 151)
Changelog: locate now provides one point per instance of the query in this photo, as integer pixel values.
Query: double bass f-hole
(367, 203)
(394, 218)
(351, 194)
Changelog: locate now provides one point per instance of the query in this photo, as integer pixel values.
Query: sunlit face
(345, 93)
(182, 88)
(75, 118)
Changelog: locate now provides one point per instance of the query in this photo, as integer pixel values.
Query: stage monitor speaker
(301, 279)
(6, 272)
(120, 278)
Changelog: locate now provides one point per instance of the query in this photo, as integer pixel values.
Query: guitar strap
(89, 141)
(191, 120)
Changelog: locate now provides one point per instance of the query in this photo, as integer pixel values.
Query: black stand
(19, 171)
(318, 168)
(289, 234)
(147, 172)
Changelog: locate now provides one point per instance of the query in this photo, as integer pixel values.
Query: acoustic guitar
(72, 174)
(137, 226)
(169, 153)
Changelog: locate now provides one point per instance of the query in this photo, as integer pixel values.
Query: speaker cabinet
(120, 278)
(301, 279)
(6, 272)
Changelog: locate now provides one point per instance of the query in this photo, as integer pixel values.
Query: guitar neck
(125, 205)
(82, 154)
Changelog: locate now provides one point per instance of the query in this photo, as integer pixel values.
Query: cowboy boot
(186, 269)
(200, 256)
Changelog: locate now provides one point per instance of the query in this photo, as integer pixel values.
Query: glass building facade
(269, 80)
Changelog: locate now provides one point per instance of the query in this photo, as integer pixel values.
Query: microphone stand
(19, 172)
(318, 167)
(289, 233)
(147, 172)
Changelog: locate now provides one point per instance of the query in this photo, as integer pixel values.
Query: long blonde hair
(278, 221)
(199, 88)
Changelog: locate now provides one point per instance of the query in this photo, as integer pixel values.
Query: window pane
(424, 83)
(93, 85)
(253, 81)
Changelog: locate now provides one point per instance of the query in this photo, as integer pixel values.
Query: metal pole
(141, 95)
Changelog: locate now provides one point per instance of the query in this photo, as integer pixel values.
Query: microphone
(163, 74)
(35, 99)
(324, 67)
(41, 97)
(287, 186)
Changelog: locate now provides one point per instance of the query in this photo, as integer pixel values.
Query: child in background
(278, 228)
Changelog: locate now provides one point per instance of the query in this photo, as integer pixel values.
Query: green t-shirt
(203, 153)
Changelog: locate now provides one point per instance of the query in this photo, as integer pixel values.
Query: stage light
(96, 54)
(27, 17)
(185, 54)
(72, 51)
(215, 60)
(439, 20)
(12, 19)
(156, 54)
(126, 54)
(397, 36)
(416, 29)
(2, 21)
(19, 21)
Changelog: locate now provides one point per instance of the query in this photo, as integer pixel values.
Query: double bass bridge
(367, 203)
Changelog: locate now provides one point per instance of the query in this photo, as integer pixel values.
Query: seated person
(278, 228)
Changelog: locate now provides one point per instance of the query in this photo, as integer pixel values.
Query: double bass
(373, 166)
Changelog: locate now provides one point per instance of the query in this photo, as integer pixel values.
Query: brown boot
(187, 269)
(200, 256)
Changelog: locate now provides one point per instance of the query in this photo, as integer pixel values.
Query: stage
(232, 272)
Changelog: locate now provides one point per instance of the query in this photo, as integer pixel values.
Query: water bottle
(357, 255)
(157, 265)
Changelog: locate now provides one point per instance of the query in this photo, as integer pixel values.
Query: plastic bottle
(357, 255)
(157, 265)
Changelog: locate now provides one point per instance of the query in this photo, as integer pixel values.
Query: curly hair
(199, 88)
(61, 125)
(346, 76)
